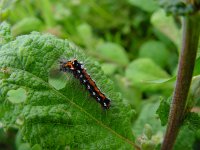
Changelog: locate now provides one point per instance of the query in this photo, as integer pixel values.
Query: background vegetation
(137, 46)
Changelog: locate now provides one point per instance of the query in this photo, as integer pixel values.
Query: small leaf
(148, 131)
(113, 52)
(163, 111)
(17, 96)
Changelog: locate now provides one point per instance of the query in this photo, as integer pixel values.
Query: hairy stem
(191, 30)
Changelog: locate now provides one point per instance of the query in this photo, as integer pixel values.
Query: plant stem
(191, 31)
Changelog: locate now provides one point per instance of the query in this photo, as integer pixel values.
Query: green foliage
(113, 52)
(47, 116)
(5, 35)
(192, 121)
(185, 139)
(135, 43)
(26, 25)
(163, 111)
(138, 74)
(148, 116)
(156, 51)
(146, 5)
(167, 26)
(196, 68)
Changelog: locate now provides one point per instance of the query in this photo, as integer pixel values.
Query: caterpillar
(79, 72)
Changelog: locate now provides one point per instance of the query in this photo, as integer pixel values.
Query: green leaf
(195, 90)
(192, 120)
(26, 25)
(146, 5)
(196, 67)
(112, 52)
(85, 33)
(185, 139)
(69, 117)
(163, 111)
(156, 51)
(148, 116)
(166, 25)
(5, 35)
(17, 96)
(160, 81)
(109, 68)
(144, 69)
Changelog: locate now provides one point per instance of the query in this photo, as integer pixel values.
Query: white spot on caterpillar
(98, 99)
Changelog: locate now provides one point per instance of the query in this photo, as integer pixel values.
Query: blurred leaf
(148, 116)
(26, 25)
(166, 25)
(5, 8)
(161, 81)
(113, 53)
(148, 145)
(156, 51)
(163, 111)
(144, 69)
(109, 68)
(146, 5)
(85, 33)
(148, 131)
(132, 95)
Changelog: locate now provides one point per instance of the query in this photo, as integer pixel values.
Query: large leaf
(59, 119)
(142, 70)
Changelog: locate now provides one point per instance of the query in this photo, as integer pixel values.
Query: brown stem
(191, 30)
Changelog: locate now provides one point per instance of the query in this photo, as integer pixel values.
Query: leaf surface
(54, 118)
